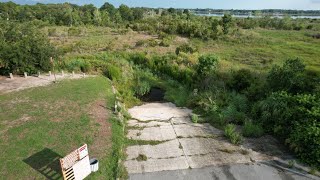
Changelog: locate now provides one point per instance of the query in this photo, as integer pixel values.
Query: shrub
(230, 133)
(252, 130)
(240, 80)
(305, 141)
(113, 72)
(194, 118)
(165, 42)
(142, 88)
(294, 118)
(24, 48)
(231, 115)
(291, 77)
(140, 43)
(78, 65)
(85, 67)
(207, 104)
(186, 48)
(207, 64)
(152, 43)
(236, 110)
(138, 58)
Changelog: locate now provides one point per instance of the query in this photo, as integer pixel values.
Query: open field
(40, 125)
(255, 49)
(260, 48)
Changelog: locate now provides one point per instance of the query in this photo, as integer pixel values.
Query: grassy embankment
(40, 125)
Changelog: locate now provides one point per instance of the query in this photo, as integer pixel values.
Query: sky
(213, 4)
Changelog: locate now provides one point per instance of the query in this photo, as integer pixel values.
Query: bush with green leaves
(77, 65)
(231, 133)
(207, 64)
(165, 42)
(304, 140)
(280, 111)
(236, 110)
(290, 77)
(240, 80)
(138, 58)
(113, 72)
(186, 48)
(231, 115)
(142, 88)
(24, 48)
(294, 119)
(252, 130)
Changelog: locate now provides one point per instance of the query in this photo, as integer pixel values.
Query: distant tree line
(178, 21)
(70, 14)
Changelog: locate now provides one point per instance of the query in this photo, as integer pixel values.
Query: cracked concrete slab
(185, 144)
(164, 150)
(158, 111)
(195, 130)
(217, 158)
(162, 133)
(181, 120)
(153, 165)
(252, 171)
(135, 123)
(197, 146)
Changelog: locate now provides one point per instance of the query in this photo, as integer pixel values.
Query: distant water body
(251, 16)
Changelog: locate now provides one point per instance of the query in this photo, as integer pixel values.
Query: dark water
(155, 95)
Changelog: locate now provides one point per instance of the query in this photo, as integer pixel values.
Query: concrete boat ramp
(172, 147)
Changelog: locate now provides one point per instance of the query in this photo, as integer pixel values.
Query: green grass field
(256, 49)
(259, 49)
(40, 125)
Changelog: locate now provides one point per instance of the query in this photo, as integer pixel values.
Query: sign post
(54, 74)
(76, 165)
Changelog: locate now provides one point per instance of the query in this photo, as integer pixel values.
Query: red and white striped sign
(83, 151)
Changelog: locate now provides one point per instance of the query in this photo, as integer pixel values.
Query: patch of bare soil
(267, 145)
(102, 136)
(19, 83)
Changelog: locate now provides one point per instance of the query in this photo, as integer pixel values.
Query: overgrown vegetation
(231, 133)
(252, 130)
(23, 48)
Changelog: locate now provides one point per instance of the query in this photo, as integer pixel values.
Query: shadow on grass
(46, 162)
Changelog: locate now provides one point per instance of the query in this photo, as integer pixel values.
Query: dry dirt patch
(19, 83)
(102, 136)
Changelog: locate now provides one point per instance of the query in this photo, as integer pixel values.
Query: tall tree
(226, 23)
(97, 17)
(126, 12)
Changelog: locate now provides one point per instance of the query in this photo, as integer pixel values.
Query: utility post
(54, 73)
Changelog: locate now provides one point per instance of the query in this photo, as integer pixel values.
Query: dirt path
(181, 144)
(19, 83)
